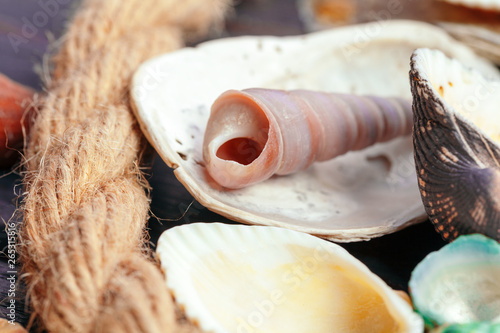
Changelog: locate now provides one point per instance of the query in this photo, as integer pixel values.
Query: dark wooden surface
(392, 257)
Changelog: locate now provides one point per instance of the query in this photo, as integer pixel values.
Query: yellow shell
(236, 278)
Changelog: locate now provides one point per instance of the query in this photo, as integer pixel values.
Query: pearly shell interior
(459, 283)
(357, 196)
(235, 278)
(464, 92)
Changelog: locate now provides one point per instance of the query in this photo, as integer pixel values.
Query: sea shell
(255, 133)
(482, 4)
(456, 133)
(476, 327)
(460, 283)
(321, 14)
(236, 278)
(483, 39)
(356, 196)
(477, 26)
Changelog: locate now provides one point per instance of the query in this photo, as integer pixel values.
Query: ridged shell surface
(236, 278)
(357, 196)
(460, 283)
(254, 134)
(456, 140)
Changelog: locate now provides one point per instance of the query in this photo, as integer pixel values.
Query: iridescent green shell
(460, 283)
(479, 327)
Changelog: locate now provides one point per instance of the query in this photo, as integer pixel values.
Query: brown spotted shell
(456, 133)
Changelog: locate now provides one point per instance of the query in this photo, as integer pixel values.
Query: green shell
(460, 283)
(480, 327)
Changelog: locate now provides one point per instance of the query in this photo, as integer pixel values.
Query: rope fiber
(82, 240)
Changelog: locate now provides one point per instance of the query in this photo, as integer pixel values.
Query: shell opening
(242, 129)
(240, 150)
(237, 140)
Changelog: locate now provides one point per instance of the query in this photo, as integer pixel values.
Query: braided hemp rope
(85, 205)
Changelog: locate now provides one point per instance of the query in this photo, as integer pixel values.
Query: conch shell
(255, 133)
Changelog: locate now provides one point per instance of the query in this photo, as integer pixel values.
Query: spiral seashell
(256, 133)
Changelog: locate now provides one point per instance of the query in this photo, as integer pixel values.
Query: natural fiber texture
(85, 207)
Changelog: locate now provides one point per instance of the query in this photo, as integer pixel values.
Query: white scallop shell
(350, 198)
(235, 278)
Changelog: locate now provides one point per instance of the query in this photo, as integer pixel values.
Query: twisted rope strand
(85, 206)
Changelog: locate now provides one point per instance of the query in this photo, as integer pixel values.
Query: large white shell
(350, 198)
(235, 278)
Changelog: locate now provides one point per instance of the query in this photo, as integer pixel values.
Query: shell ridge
(457, 166)
(487, 151)
(438, 128)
